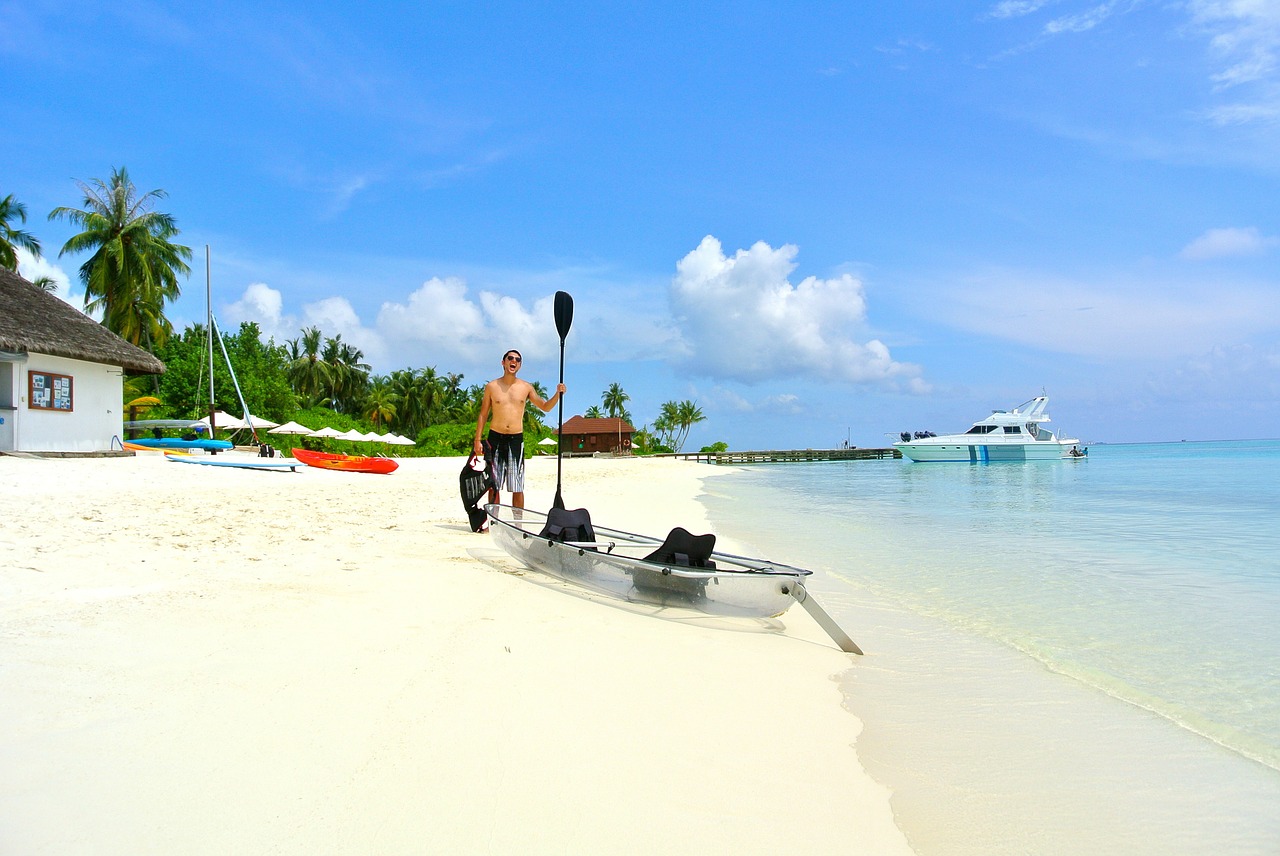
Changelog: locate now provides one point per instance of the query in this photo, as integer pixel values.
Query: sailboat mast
(208, 302)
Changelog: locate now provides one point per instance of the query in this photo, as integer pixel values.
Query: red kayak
(347, 463)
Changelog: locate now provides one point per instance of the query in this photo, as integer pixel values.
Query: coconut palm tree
(135, 265)
(348, 374)
(380, 402)
(12, 238)
(594, 412)
(688, 414)
(308, 373)
(419, 393)
(615, 400)
(667, 425)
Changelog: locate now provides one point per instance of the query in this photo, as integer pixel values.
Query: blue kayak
(178, 443)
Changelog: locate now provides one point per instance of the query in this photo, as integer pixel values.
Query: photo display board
(49, 391)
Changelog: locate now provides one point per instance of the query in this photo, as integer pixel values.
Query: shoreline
(986, 747)
(210, 660)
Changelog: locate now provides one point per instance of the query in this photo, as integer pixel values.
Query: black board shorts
(506, 461)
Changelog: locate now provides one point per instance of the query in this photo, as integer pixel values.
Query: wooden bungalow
(61, 373)
(583, 436)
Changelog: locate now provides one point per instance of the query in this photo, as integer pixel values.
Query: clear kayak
(640, 568)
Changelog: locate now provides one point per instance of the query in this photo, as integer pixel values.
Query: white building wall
(97, 393)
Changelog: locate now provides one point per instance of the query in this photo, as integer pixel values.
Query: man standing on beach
(504, 399)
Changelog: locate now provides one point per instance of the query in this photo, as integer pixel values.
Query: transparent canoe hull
(613, 564)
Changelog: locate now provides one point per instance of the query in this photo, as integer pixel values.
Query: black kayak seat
(685, 549)
(565, 524)
(681, 549)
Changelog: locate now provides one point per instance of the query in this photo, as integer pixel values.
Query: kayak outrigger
(681, 570)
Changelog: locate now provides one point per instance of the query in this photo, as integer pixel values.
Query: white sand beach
(202, 660)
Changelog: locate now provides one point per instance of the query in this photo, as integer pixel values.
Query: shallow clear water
(1137, 590)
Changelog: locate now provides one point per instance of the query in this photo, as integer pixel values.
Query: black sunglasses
(514, 357)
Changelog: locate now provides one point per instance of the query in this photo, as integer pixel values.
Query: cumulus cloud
(335, 316)
(742, 319)
(1226, 243)
(262, 304)
(441, 321)
(32, 268)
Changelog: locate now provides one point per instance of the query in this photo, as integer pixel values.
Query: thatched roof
(607, 425)
(31, 319)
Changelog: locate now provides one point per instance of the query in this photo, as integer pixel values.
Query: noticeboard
(49, 391)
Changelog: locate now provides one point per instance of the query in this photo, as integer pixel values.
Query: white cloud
(742, 319)
(440, 322)
(262, 304)
(1245, 33)
(1226, 243)
(1145, 318)
(1082, 21)
(31, 268)
(335, 316)
(1016, 8)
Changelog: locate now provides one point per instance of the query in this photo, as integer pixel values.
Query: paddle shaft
(559, 501)
(564, 320)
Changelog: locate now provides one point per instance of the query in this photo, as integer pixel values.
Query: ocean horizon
(1062, 656)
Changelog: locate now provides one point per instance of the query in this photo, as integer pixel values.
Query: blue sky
(821, 221)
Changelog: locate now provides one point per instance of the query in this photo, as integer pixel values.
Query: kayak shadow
(500, 561)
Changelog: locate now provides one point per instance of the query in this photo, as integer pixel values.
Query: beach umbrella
(400, 441)
(258, 422)
(326, 432)
(224, 421)
(290, 428)
(353, 435)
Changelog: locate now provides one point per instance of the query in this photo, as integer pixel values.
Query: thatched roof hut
(32, 320)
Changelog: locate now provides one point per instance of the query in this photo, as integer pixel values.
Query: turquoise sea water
(1105, 633)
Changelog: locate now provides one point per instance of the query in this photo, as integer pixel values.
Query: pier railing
(781, 456)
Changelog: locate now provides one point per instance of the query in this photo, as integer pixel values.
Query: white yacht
(1006, 435)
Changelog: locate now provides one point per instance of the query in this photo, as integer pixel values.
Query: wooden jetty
(782, 456)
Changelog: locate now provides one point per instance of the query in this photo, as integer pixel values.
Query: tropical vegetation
(316, 380)
(133, 269)
(11, 237)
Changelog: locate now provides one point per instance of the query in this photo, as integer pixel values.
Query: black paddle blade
(564, 314)
(558, 502)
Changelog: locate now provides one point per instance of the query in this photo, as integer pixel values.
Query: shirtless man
(504, 398)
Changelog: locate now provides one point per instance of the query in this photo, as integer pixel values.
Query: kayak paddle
(564, 319)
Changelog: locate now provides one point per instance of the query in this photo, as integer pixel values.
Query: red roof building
(583, 436)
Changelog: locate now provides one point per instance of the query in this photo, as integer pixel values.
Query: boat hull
(345, 463)
(985, 453)
(615, 567)
(277, 464)
(177, 443)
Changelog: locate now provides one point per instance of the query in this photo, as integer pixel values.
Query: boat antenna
(564, 319)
